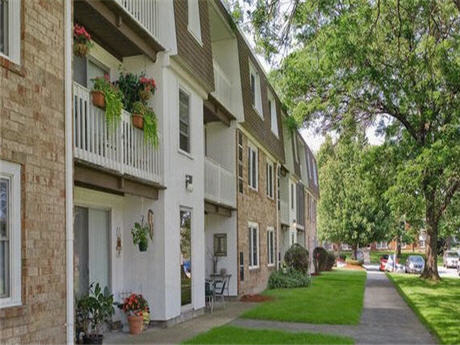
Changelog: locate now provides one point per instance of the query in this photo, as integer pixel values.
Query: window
(240, 162)
(256, 98)
(10, 30)
(253, 245)
(220, 244)
(271, 246)
(315, 175)
(278, 181)
(269, 181)
(10, 234)
(184, 121)
(292, 196)
(273, 114)
(310, 173)
(194, 19)
(253, 167)
(294, 144)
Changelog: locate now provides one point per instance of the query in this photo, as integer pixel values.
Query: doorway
(186, 256)
(92, 248)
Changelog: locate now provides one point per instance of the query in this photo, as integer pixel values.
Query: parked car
(450, 258)
(415, 264)
(392, 265)
(383, 262)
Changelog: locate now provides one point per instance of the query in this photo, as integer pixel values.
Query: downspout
(68, 169)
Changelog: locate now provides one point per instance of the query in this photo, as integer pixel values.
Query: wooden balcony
(220, 184)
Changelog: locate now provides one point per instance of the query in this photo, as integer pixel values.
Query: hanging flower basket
(81, 41)
(98, 98)
(138, 120)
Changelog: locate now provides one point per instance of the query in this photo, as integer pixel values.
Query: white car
(450, 259)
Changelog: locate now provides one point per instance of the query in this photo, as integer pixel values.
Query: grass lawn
(333, 298)
(238, 335)
(437, 305)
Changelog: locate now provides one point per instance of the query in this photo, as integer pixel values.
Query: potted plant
(81, 41)
(140, 231)
(129, 85)
(107, 96)
(137, 115)
(135, 306)
(92, 311)
(147, 88)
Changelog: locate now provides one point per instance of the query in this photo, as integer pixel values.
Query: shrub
(319, 259)
(342, 257)
(297, 258)
(289, 279)
(330, 261)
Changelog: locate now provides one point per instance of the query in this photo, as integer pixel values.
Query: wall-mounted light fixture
(294, 224)
(189, 183)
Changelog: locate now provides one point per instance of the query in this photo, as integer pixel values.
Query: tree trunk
(398, 249)
(431, 242)
(355, 251)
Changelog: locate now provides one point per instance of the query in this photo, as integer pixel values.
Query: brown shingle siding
(196, 59)
(258, 127)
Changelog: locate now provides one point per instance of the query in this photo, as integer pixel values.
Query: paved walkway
(182, 331)
(386, 319)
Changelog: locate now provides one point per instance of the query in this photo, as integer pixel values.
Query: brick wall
(195, 58)
(255, 206)
(32, 134)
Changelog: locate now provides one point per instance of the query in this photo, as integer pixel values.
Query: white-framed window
(240, 162)
(10, 234)
(253, 167)
(256, 97)
(270, 246)
(184, 121)
(294, 144)
(273, 113)
(253, 245)
(270, 186)
(10, 30)
(315, 174)
(194, 26)
(382, 245)
(310, 172)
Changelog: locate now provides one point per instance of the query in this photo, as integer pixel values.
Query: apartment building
(225, 192)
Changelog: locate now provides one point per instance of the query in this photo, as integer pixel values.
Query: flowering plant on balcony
(113, 99)
(147, 88)
(149, 122)
(81, 41)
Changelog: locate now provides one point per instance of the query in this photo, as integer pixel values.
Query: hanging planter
(106, 95)
(147, 87)
(144, 118)
(140, 231)
(81, 41)
(138, 115)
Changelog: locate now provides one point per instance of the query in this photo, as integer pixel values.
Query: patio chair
(210, 294)
(220, 288)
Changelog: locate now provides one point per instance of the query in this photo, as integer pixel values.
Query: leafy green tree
(397, 60)
(351, 209)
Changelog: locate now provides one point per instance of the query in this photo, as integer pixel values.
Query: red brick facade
(32, 135)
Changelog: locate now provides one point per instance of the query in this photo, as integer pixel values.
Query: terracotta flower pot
(138, 121)
(80, 49)
(136, 324)
(98, 98)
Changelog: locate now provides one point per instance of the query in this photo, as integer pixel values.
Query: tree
(395, 60)
(351, 209)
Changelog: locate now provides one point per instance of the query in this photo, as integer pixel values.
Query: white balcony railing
(284, 212)
(144, 12)
(223, 87)
(220, 184)
(121, 149)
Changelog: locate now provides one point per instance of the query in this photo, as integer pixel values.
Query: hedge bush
(330, 261)
(288, 279)
(297, 258)
(320, 259)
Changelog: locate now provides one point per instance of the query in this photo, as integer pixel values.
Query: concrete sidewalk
(386, 319)
(182, 331)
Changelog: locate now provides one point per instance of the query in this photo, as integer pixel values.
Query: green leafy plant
(289, 279)
(129, 85)
(92, 310)
(330, 261)
(113, 99)
(297, 258)
(150, 122)
(320, 259)
(140, 231)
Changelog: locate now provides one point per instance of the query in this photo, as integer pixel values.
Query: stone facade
(255, 206)
(32, 135)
